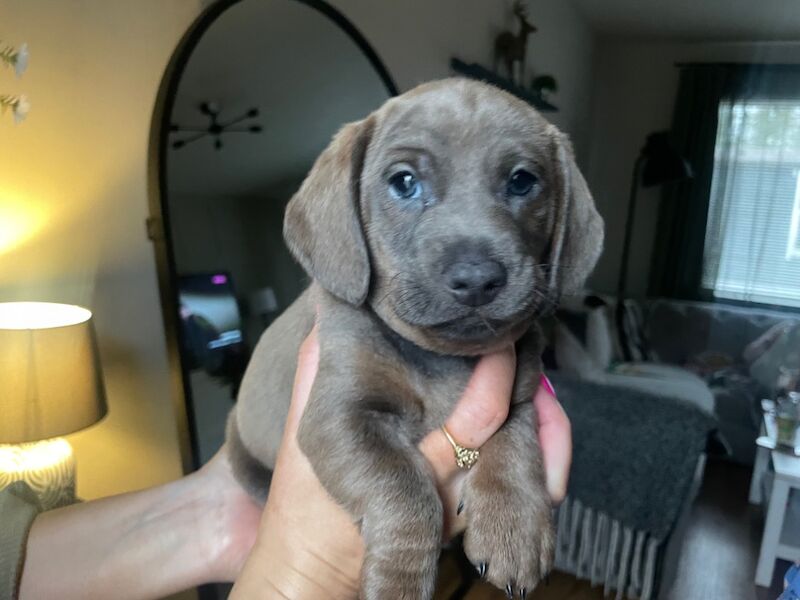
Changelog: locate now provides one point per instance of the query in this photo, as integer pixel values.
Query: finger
(307, 364)
(480, 412)
(555, 439)
(292, 466)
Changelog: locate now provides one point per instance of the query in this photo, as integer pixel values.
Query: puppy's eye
(521, 183)
(405, 186)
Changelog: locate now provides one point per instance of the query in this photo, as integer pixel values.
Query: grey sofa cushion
(680, 330)
(784, 353)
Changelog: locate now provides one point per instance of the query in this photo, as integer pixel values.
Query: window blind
(752, 249)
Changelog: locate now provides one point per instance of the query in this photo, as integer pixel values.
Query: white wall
(73, 195)
(416, 40)
(207, 234)
(635, 86)
(73, 204)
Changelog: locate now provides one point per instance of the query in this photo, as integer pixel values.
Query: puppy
(435, 230)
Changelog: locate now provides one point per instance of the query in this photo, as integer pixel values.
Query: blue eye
(521, 183)
(405, 186)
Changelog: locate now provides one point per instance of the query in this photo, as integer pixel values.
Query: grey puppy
(436, 230)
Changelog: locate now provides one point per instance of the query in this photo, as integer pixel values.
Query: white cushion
(663, 380)
(784, 352)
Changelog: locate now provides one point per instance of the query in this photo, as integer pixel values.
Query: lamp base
(48, 467)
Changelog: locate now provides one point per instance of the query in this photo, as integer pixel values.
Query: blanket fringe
(593, 546)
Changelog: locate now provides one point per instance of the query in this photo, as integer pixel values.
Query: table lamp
(50, 385)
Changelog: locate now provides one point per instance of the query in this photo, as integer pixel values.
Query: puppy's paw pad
(510, 541)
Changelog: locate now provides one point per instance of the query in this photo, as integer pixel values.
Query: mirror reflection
(259, 73)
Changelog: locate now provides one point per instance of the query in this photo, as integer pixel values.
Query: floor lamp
(658, 163)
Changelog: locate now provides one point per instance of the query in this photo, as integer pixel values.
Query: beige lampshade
(51, 383)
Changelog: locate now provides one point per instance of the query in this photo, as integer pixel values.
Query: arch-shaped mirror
(252, 95)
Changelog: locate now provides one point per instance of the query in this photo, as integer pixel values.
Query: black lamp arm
(629, 220)
(626, 248)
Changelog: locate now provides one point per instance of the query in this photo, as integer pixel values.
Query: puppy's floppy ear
(322, 226)
(577, 239)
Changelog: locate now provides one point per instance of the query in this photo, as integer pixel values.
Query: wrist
(184, 522)
(284, 564)
(207, 537)
(226, 522)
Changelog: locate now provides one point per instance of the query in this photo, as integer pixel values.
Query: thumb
(307, 364)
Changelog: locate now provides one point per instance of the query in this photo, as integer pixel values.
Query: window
(793, 245)
(752, 246)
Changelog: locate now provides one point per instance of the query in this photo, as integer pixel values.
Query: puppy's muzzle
(473, 278)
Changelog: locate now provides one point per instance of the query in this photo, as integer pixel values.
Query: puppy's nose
(476, 280)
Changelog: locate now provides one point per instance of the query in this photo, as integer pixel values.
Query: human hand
(555, 439)
(307, 544)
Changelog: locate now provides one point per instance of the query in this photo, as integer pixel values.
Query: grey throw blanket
(635, 457)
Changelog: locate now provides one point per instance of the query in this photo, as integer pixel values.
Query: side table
(776, 482)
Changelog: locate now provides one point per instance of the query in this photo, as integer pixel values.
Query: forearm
(141, 545)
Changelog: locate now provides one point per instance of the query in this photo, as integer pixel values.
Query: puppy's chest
(432, 383)
(435, 381)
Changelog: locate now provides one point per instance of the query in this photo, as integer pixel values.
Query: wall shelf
(476, 71)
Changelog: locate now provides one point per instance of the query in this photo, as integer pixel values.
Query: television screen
(211, 324)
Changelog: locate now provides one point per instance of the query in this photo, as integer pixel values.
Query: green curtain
(678, 256)
(677, 267)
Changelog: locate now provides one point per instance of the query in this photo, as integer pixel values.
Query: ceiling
(718, 20)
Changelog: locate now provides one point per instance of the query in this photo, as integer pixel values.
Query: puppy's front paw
(402, 550)
(390, 572)
(510, 536)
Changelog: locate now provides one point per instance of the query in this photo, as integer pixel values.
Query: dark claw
(547, 579)
(509, 591)
(522, 593)
(460, 507)
(482, 569)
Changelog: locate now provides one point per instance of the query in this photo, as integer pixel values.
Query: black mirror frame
(158, 221)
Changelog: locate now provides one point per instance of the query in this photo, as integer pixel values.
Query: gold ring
(465, 457)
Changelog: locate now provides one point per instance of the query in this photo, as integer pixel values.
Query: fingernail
(523, 593)
(460, 507)
(482, 569)
(545, 383)
(509, 591)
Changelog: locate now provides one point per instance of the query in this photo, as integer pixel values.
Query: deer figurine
(510, 49)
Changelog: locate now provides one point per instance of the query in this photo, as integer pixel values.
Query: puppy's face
(460, 200)
(459, 188)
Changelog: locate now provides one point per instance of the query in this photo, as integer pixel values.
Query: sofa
(720, 343)
(693, 369)
(721, 358)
